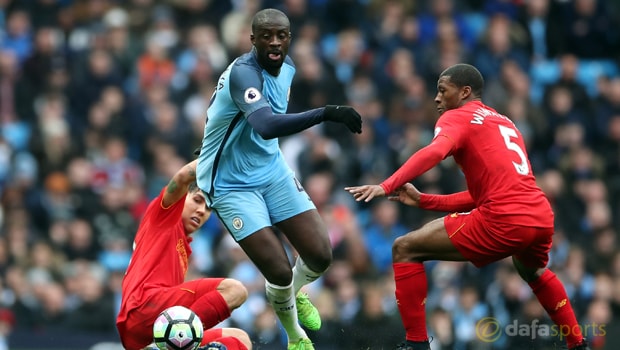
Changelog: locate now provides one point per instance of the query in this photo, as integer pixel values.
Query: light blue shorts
(245, 212)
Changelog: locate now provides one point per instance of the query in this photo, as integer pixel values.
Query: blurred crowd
(101, 101)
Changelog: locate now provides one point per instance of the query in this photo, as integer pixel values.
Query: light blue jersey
(245, 177)
(233, 155)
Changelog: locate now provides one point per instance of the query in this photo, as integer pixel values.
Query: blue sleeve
(246, 84)
(269, 125)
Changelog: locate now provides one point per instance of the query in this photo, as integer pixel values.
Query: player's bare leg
(233, 292)
(308, 235)
(267, 252)
(431, 242)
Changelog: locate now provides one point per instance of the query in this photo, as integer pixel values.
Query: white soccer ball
(177, 328)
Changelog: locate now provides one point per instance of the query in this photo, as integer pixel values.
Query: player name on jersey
(481, 113)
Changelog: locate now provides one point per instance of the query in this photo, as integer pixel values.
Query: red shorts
(483, 242)
(137, 332)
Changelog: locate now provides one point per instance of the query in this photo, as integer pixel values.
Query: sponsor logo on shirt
(183, 258)
(251, 95)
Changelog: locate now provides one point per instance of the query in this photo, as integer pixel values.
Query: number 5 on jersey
(507, 133)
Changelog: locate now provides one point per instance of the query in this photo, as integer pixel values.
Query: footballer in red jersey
(502, 213)
(155, 277)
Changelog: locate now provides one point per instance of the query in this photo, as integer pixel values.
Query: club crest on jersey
(237, 223)
(251, 95)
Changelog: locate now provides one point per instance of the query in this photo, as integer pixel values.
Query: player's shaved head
(269, 16)
(463, 74)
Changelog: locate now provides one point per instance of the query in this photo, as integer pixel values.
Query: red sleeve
(456, 202)
(159, 216)
(419, 163)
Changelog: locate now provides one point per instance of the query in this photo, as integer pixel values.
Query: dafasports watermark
(489, 330)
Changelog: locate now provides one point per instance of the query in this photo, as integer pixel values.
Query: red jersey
(154, 263)
(491, 153)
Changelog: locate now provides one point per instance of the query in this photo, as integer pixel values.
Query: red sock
(211, 308)
(411, 291)
(552, 296)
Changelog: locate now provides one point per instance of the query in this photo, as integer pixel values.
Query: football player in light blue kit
(247, 181)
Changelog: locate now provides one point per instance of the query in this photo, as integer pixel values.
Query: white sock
(283, 301)
(302, 274)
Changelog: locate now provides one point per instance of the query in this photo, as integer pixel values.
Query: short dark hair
(193, 187)
(264, 16)
(463, 74)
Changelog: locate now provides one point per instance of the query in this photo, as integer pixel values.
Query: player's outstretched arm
(270, 125)
(346, 115)
(406, 194)
(417, 164)
(455, 202)
(179, 184)
(365, 192)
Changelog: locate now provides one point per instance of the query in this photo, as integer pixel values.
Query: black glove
(345, 115)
